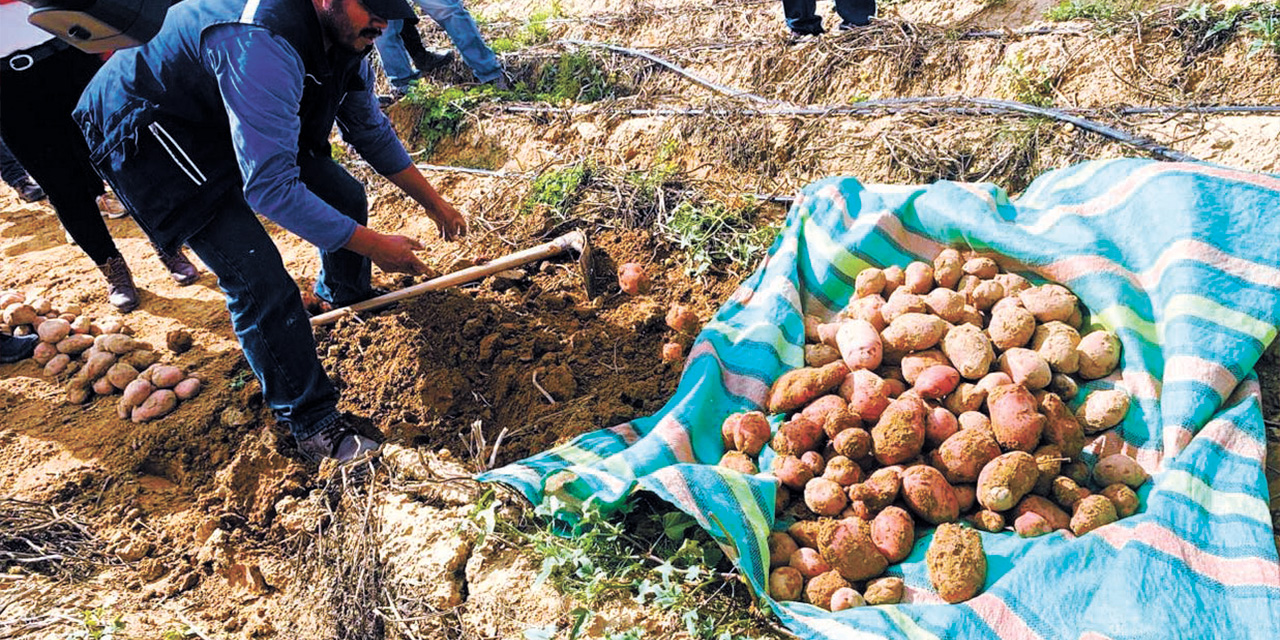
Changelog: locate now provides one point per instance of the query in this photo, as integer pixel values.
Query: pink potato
(1013, 284)
(859, 344)
(946, 304)
(785, 583)
(914, 364)
(1011, 327)
(1056, 343)
(1119, 469)
(867, 393)
(166, 376)
(57, 365)
(981, 267)
(1102, 409)
(868, 282)
(899, 433)
(1014, 419)
(937, 382)
(1031, 525)
(632, 279)
(948, 266)
(939, 425)
(842, 471)
(157, 405)
(44, 353)
(956, 563)
(817, 463)
(103, 387)
(847, 546)
(969, 350)
(976, 420)
(1061, 428)
(1049, 302)
(121, 374)
(992, 380)
(966, 496)
(808, 562)
(846, 598)
(1048, 511)
(1099, 354)
(893, 277)
(901, 303)
(54, 330)
(893, 532)
(682, 319)
(797, 435)
(928, 494)
(867, 309)
(792, 472)
(986, 294)
(781, 546)
(672, 352)
(746, 432)
(918, 278)
(1025, 367)
(795, 389)
(824, 497)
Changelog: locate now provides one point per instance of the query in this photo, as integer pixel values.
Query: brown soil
(217, 518)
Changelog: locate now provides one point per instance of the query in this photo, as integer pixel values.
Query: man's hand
(451, 223)
(448, 219)
(393, 254)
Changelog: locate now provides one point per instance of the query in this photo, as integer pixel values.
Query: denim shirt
(227, 96)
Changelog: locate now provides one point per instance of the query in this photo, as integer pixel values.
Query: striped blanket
(1182, 261)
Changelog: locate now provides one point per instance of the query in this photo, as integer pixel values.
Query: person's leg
(464, 33)
(395, 60)
(801, 16)
(423, 59)
(11, 170)
(267, 316)
(855, 13)
(344, 275)
(15, 348)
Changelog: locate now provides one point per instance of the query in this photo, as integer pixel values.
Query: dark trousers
(802, 17)
(266, 308)
(412, 40)
(11, 170)
(35, 121)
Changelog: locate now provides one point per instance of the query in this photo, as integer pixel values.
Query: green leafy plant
(1264, 33)
(444, 110)
(711, 233)
(575, 76)
(1096, 10)
(1032, 85)
(534, 31)
(98, 624)
(240, 379)
(558, 190)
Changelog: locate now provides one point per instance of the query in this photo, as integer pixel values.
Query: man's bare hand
(449, 220)
(391, 253)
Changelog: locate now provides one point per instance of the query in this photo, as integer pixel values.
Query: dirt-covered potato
(839, 421)
(854, 444)
(867, 393)
(672, 352)
(781, 546)
(1031, 525)
(976, 420)
(1067, 492)
(796, 388)
(187, 389)
(746, 432)
(842, 471)
(1014, 419)
(1064, 385)
(166, 376)
(797, 435)
(116, 343)
(791, 471)
(969, 350)
(19, 313)
(1077, 470)
(948, 266)
(1025, 367)
(808, 562)
(918, 278)
(1061, 428)
(1092, 512)
(928, 494)
(785, 583)
(966, 496)
(981, 267)
(1124, 499)
(956, 562)
(1049, 302)
(825, 497)
(986, 294)
(859, 345)
(868, 309)
(1119, 468)
(817, 355)
(1043, 507)
(1099, 354)
(121, 374)
(987, 520)
(1005, 480)
(75, 345)
(1011, 327)
(913, 332)
(819, 591)
(914, 364)
(900, 303)
(1049, 460)
(966, 397)
(157, 405)
(1056, 342)
(44, 352)
(893, 276)
(946, 304)
(894, 533)
(738, 461)
(57, 365)
(899, 433)
(962, 457)
(846, 598)
(1013, 284)
(847, 546)
(886, 590)
(880, 489)
(868, 282)
(1102, 409)
(633, 280)
(54, 330)
(936, 382)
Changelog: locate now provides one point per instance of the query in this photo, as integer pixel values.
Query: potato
(992, 380)
(969, 350)
(880, 489)
(1061, 428)
(894, 533)
(807, 532)
(78, 393)
(913, 332)
(157, 405)
(976, 420)
(948, 266)
(819, 591)
(1119, 468)
(1025, 367)
(828, 331)
(114, 325)
(868, 309)
(1031, 525)
(962, 457)
(672, 352)
(796, 436)
(1013, 283)
(1014, 420)
(8, 298)
(736, 460)
(103, 387)
(1011, 327)
(899, 433)
(1056, 343)
(966, 496)
(785, 583)
(1006, 480)
(1092, 512)
(1124, 499)
(19, 313)
(854, 444)
(972, 316)
(121, 374)
(792, 472)
(847, 546)
(893, 277)
(981, 267)
(799, 387)
(57, 365)
(1064, 385)
(987, 520)
(868, 282)
(986, 294)
(817, 355)
(913, 364)
(1102, 409)
(808, 562)
(633, 280)
(824, 497)
(1006, 302)
(842, 471)
(867, 393)
(54, 331)
(811, 324)
(781, 546)
(1049, 461)
(141, 358)
(746, 432)
(97, 364)
(166, 376)
(81, 325)
(1048, 511)
(937, 382)
(956, 562)
(116, 343)
(1066, 492)
(901, 303)
(946, 304)
(1049, 302)
(893, 386)
(846, 598)
(1077, 470)
(817, 464)
(43, 353)
(682, 319)
(1099, 354)
(886, 590)
(966, 397)
(918, 278)
(940, 424)
(928, 494)
(75, 345)
(859, 344)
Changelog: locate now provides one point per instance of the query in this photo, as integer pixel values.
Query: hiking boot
(432, 60)
(183, 272)
(15, 348)
(121, 292)
(30, 191)
(343, 441)
(110, 207)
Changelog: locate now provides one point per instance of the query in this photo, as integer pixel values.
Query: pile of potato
(98, 358)
(938, 395)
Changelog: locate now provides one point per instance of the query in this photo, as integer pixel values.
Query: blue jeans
(395, 58)
(802, 17)
(462, 30)
(266, 310)
(11, 170)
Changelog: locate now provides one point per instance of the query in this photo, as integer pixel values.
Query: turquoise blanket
(1182, 261)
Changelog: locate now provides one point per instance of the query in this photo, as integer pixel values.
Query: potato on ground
(807, 532)
(899, 433)
(1061, 428)
(824, 497)
(956, 562)
(785, 583)
(1092, 512)
(738, 461)
(632, 279)
(1014, 419)
(847, 546)
(894, 533)
(819, 590)
(781, 546)
(913, 332)
(746, 432)
(859, 344)
(792, 472)
(962, 456)
(969, 350)
(842, 471)
(796, 388)
(987, 520)
(1102, 409)
(1005, 480)
(1043, 507)
(1124, 499)
(854, 444)
(928, 494)
(1031, 525)
(1119, 468)
(886, 590)
(157, 405)
(1099, 354)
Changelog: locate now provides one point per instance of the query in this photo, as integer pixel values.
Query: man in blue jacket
(228, 111)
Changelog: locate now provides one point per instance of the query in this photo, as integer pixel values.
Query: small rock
(184, 582)
(134, 550)
(247, 577)
(179, 340)
(235, 417)
(509, 279)
(460, 264)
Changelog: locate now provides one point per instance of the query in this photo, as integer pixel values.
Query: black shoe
(30, 191)
(183, 272)
(432, 60)
(15, 348)
(850, 26)
(349, 440)
(121, 292)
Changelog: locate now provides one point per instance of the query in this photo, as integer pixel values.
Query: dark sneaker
(432, 60)
(315, 305)
(501, 83)
(30, 191)
(15, 348)
(342, 441)
(850, 26)
(121, 292)
(183, 272)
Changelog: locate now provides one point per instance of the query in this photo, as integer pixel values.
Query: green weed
(1264, 33)
(534, 31)
(558, 190)
(1098, 10)
(444, 110)
(98, 624)
(1033, 86)
(711, 234)
(240, 379)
